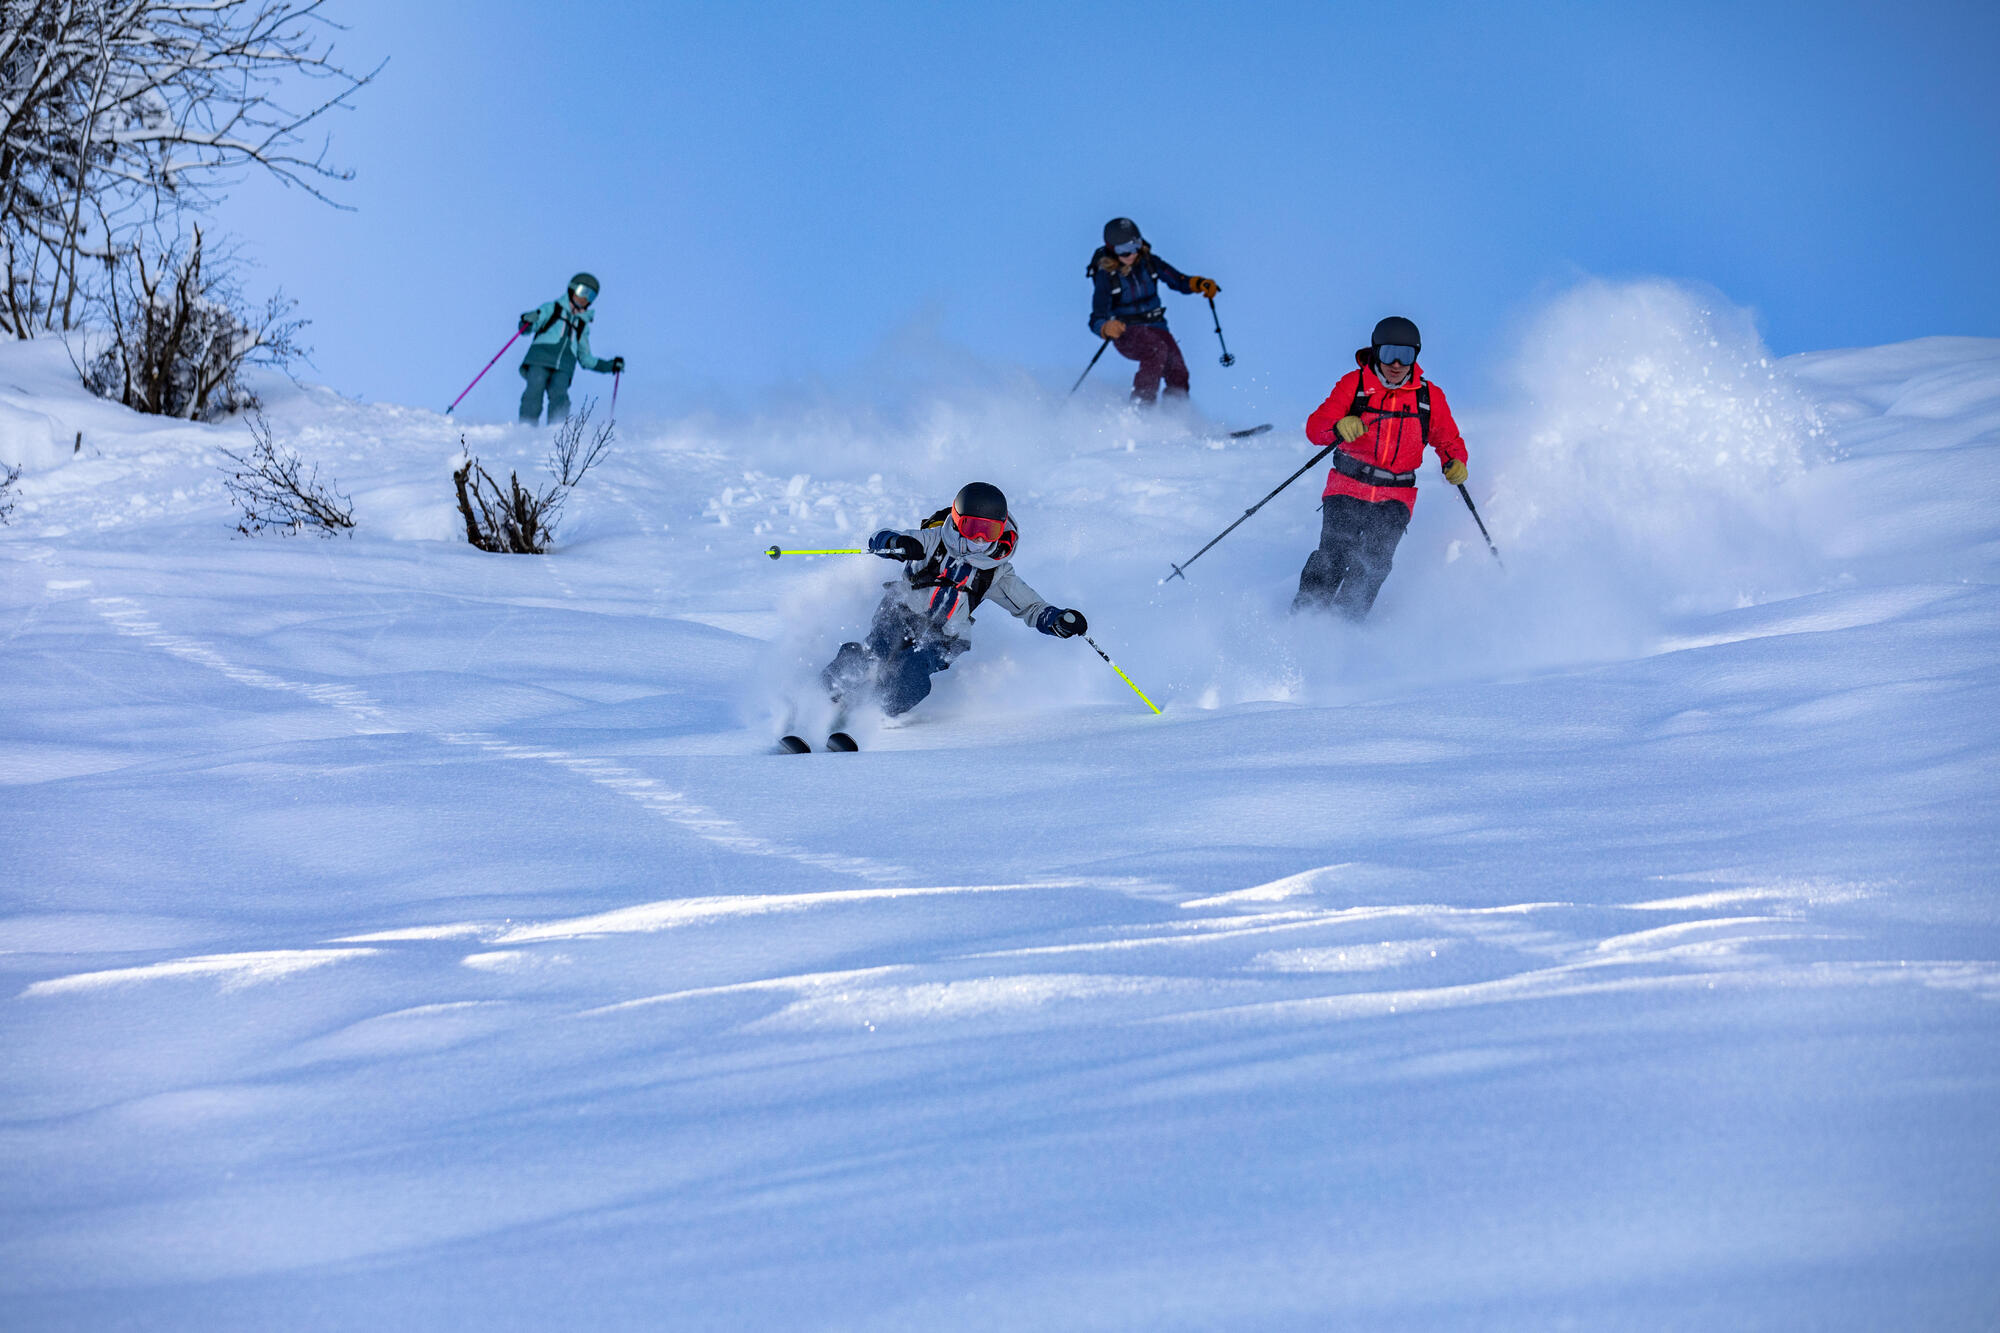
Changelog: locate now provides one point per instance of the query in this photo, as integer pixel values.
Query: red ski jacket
(1393, 438)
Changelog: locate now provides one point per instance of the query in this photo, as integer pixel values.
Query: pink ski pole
(615, 377)
(482, 374)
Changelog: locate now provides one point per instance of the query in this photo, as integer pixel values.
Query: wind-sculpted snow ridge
(394, 933)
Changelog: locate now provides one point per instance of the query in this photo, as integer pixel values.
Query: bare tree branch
(276, 490)
(117, 103)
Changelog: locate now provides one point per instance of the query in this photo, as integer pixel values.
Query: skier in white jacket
(960, 557)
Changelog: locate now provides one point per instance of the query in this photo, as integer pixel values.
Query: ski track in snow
(371, 718)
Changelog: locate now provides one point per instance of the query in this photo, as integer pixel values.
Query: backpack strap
(931, 573)
(550, 322)
(1423, 406)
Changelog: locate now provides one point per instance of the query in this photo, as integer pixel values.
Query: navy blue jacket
(1133, 297)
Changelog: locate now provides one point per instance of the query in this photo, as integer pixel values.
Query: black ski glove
(617, 365)
(893, 545)
(1061, 623)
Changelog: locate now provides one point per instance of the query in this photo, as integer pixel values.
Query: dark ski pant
(1357, 543)
(1159, 358)
(896, 663)
(550, 380)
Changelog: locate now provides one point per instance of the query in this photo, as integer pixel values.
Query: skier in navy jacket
(1125, 308)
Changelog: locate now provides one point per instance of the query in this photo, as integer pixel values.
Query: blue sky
(875, 196)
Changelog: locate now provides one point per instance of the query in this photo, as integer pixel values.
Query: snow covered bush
(7, 497)
(180, 337)
(519, 521)
(277, 490)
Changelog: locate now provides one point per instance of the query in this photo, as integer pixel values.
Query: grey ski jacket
(944, 587)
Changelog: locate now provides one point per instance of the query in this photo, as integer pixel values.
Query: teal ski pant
(550, 380)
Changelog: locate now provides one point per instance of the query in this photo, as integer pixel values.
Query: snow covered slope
(398, 934)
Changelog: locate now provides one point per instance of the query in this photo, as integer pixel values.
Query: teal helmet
(584, 285)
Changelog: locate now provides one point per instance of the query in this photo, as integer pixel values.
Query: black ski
(840, 740)
(1248, 431)
(794, 745)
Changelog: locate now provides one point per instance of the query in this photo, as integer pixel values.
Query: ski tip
(841, 741)
(793, 745)
(1248, 431)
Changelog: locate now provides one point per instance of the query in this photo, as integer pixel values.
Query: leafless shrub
(576, 448)
(515, 520)
(276, 490)
(116, 114)
(180, 336)
(11, 475)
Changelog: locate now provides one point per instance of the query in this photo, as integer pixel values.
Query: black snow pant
(896, 663)
(1357, 543)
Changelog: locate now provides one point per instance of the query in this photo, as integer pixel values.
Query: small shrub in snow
(7, 496)
(576, 448)
(276, 490)
(180, 337)
(515, 520)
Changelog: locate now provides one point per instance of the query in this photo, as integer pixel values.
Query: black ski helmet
(979, 499)
(1120, 230)
(1396, 331)
(585, 280)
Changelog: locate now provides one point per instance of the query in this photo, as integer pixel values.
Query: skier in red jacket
(1381, 416)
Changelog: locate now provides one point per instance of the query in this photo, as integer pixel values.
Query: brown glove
(1204, 286)
(1454, 471)
(1113, 329)
(1348, 429)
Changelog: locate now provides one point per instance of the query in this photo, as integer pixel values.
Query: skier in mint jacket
(958, 558)
(561, 343)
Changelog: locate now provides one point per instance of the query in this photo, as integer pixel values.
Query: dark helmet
(1396, 331)
(979, 499)
(1120, 230)
(588, 282)
(979, 512)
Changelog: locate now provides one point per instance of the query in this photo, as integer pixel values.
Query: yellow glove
(1348, 429)
(1113, 329)
(1454, 471)
(1204, 286)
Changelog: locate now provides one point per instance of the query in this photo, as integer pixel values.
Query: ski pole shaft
(775, 551)
(1093, 364)
(1121, 674)
(1227, 359)
(1482, 524)
(1180, 570)
(482, 373)
(616, 375)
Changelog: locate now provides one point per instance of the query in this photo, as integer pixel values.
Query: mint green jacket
(561, 337)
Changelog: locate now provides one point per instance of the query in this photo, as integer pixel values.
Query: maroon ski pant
(1159, 358)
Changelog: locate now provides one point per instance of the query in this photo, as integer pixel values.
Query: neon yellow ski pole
(776, 551)
(1121, 674)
